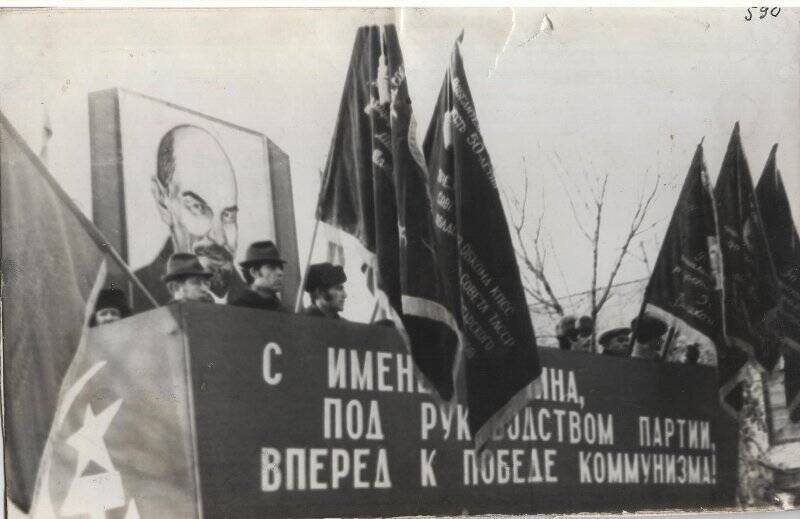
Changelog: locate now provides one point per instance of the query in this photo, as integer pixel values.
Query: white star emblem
(133, 511)
(96, 493)
(88, 440)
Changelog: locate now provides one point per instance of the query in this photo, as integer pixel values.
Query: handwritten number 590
(774, 12)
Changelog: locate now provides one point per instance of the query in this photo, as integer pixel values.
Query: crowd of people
(186, 279)
(648, 341)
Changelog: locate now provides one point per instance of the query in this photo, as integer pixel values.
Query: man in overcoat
(263, 271)
(325, 284)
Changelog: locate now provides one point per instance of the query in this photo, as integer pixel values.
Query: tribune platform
(213, 411)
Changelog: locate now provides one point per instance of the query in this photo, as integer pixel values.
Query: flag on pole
(475, 252)
(53, 266)
(784, 245)
(375, 189)
(685, 288)
(751, 290)
(122, 442)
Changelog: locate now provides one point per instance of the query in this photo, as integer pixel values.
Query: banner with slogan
(292, 416)
(477, 257)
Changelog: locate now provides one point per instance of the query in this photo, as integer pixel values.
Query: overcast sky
(623, 92)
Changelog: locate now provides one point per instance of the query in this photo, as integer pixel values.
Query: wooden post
(298, 303)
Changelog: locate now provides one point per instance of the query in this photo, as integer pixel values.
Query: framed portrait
(169, 179)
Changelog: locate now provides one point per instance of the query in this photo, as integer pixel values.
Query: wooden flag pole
(111, 251)
(374, 311)
(298, 304)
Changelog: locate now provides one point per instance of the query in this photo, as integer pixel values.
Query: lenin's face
(198, 201)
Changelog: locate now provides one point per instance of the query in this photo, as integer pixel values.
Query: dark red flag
(475, 252)
(685, 289)
(117, 448)
(784, 245)
(53, 265)
(375, 189)
(750, 285)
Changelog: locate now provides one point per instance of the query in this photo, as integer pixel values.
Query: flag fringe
(500, 418)
(421, 307)
(383, 301)
(428, 309)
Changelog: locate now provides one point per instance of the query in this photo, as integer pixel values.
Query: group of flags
(432, 230)
(431, 227)
(727, 277)
(437, 246)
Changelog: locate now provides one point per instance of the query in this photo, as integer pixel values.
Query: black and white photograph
(266, 261)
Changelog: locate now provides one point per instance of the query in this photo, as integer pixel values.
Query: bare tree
(588, 212)
(532, 252)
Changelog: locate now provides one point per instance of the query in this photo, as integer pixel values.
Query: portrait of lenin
(168, 179)
(194, 188)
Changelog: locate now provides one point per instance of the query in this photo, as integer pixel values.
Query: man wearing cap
(263, 271)
(324, 283)
(110, 307)
(616, 342)
(186, 279)
(648, 333)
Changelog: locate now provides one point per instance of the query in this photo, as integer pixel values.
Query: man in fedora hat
(263, 271)
(186, 279)
(325, 285)
(111, 306)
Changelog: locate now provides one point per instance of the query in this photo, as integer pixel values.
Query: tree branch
(599, 202)
(636, 223)
(534, 263)
(571, 201)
